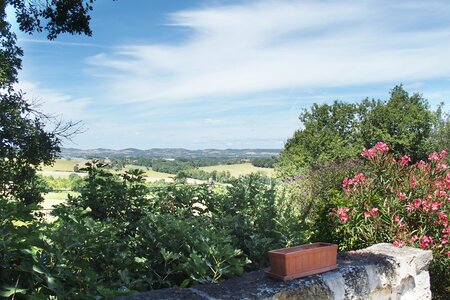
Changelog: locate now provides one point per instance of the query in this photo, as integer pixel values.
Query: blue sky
(231, 74)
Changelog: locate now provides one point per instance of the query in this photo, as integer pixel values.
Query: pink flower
(402, 196)
(397, 218)
(440, 193)
(405, 160)
(421, 164)
(409, 207)
(413, 182)
(368, 153)
(442, 167)
(414, 238)
(426, 205)
(447, 179)
(398, 243)
(417, 203)
(426, 240)
(438, 156)
(345, 182)
(343, 210)
(344, 218)
(367, 214)
(442, 216)
(381, 147)
(374, 211)
(434, 156)
(436, 205)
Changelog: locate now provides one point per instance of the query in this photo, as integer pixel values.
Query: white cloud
(275, 45)
(54, 102)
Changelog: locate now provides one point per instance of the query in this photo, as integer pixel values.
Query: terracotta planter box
(301, 261)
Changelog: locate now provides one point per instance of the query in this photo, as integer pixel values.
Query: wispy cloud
(54, 102)
(276, 45)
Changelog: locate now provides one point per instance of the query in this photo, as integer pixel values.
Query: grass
(54, 198)
(239, 169)
(236, 170)
(64, 165)
(150, 173)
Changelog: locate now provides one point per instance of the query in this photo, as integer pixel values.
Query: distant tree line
(217, 176)
(264, 162)
(172, 166)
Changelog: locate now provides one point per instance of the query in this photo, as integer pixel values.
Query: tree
(330, 133)
(339, 131)
(25, 144)
(440, 136)
(404, 122)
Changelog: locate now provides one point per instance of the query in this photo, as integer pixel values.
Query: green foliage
(24, 145)
(394, 201)
(222, 177)
(331, 133)
(120, 236)
(337, 132)
(71, 183)
(404, 122)
(264, 162)
(440, 137)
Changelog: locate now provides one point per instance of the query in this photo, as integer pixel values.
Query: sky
(231, 74)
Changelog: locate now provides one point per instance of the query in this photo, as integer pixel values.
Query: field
(150, 173)
(65, 165)
(54, 198)
(239, 169)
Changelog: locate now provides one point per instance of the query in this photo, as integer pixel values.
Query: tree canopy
(339, 131)
(25, 143)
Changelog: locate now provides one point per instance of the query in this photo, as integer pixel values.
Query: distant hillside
(169, 153)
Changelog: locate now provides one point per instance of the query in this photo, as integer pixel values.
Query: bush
(399, 202)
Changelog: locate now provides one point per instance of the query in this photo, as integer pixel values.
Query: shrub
(399, 202)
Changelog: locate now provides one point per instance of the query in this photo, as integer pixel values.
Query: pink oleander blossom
(434, 157)
(344, 218)
(398, 243)
(345, 182)
(421, 164)
(413, 182)
(447, 180)
(425, 242)
(405, 160)
(442, 167)
(401, 195)
(436, 205)
(379, 148)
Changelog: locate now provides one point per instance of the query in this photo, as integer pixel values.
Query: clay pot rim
(313, 247)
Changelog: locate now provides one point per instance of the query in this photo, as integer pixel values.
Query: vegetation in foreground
(119, 235)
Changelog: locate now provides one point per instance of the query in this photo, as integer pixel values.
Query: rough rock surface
(381, 271)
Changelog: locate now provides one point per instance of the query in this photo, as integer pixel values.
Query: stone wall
(378, 272)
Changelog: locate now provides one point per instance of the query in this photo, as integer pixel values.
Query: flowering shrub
(396, 201)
